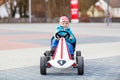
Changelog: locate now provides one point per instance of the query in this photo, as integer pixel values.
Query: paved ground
(21, 46)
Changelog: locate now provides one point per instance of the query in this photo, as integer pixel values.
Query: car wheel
(47, 53)
(80, 65)
(43, 63)
(78, 53)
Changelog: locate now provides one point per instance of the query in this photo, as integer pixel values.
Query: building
(101, 9)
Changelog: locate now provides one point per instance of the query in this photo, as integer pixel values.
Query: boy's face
(65, 24)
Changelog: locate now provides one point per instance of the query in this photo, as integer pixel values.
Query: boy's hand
(58, 38)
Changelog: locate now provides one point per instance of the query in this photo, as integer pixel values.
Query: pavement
(21, 46)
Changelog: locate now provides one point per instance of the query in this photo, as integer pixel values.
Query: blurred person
(14, 6)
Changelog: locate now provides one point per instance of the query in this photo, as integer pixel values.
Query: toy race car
(61, 57)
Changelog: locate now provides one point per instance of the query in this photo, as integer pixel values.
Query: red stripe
(61, 48)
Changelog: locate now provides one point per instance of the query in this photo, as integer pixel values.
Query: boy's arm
(72, 38)
(57, 30)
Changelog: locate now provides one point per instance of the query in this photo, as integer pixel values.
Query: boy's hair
(64, 18)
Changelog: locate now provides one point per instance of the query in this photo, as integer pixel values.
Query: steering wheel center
(64, 34)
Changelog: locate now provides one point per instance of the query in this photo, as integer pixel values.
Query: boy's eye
(64, 23)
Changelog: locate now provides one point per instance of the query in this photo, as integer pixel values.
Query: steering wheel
(64, 34)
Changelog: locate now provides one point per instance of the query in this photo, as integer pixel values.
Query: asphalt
(21, 46)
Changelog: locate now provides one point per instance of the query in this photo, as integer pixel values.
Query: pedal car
(61, 57)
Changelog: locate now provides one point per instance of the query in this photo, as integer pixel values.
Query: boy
(71, 42)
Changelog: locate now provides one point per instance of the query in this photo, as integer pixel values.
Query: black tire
(47, 53)
(78, 53)
(43, 63)
(80, 65)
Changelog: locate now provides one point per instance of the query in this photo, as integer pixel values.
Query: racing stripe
(61, 48)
